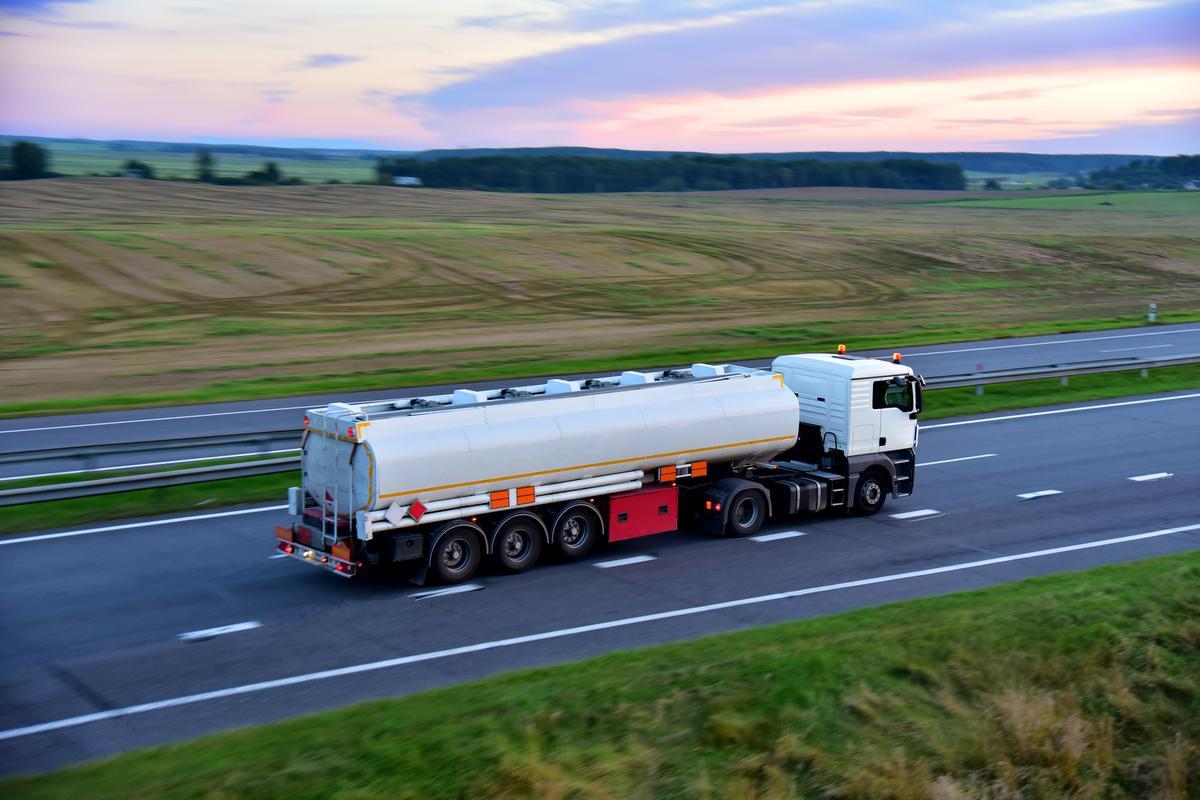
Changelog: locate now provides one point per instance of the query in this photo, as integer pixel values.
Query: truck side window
(889, 395)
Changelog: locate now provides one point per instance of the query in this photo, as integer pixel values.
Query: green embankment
(939, 403)
(762, 341)
(1083, 685)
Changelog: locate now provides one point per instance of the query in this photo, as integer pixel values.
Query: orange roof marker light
(895, 358)
(841, 349)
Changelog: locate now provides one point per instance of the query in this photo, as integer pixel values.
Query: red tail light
(287, 548)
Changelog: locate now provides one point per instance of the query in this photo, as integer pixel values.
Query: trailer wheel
(457, 554)
(518, 542)
(747, 512)
(870, 493)
(577, 528)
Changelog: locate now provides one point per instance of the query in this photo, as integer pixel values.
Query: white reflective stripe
(1153, 476)
(621, 562)
(922, 512)
(954, 460)
(464, 587)
(773, 537)
(1041, 493)
(416, 658)
(209, 633)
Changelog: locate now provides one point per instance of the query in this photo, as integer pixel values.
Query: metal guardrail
(261, 440)
(1122, 364)
(126, 483)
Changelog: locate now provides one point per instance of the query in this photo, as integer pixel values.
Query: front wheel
(870, 493)
(747, 513)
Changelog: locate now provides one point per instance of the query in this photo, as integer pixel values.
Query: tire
(457, 554)
(747, 513)
(518, 542)
(577, 529)
(871, 493)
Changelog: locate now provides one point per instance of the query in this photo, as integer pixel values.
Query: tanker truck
(438, 484)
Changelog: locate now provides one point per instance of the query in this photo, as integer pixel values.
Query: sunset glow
(719, 75)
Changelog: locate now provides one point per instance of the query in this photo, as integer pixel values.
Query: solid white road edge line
(1153, 476)
(147, 524)
(1059, 411)
(416, 658)
(921, 512)
(1042, 493)
(953, 460)
(772, 537)
(462, 587)
(1043, 344)
(208, 633)
(621, 562)
(147, 464)
(1139, 347)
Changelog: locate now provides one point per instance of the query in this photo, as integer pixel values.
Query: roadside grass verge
(939, 404)
(195, 497)
(761, 341)
(1076, 685)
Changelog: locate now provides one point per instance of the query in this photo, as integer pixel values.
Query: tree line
(29, 160)
(1172, 172)
(554, 174)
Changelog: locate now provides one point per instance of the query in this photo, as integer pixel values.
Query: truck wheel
(518, 542)
(870, 493)
(576, 530)
(457, 554)
(747, 513)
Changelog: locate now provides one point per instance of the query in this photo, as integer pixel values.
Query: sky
(1051, 76)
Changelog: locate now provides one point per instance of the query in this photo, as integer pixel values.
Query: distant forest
(1163, 173)
(677, 173)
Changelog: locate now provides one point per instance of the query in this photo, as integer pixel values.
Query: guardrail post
(979, 390)
(1152, 313)
(1144, 372)
(1064, 380)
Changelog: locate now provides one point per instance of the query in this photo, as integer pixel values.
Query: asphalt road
(92, 661)
(35, 433)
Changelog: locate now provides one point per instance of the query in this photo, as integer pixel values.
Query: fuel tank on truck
(364, 458)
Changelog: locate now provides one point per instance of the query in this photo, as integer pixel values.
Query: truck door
(896, 400)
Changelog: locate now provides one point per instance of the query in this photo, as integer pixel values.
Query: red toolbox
(643, 512)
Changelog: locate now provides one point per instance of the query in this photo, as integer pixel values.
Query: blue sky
(717, 75)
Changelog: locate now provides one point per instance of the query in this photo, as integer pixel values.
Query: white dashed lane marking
(622, 562)
(208, 633)
(1153, 476)
(1035, 495)
(955, 460)
(772, 537)
(464, 587)
(918, 514)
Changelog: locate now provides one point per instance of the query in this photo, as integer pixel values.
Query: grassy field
(1081, 685)
(1115, 203)
(80, 158)
(939, 404)
(132, 292)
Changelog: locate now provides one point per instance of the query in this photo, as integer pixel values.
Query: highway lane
(33, 433)
(91, 623)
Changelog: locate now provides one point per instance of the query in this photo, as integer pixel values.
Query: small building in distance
(406, 180)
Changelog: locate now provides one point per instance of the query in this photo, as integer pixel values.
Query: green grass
(939, 404)
(146, 502)
(1181, 202)
(761, 341)
(1082, 685)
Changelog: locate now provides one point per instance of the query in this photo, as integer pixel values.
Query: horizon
(1048, 77)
